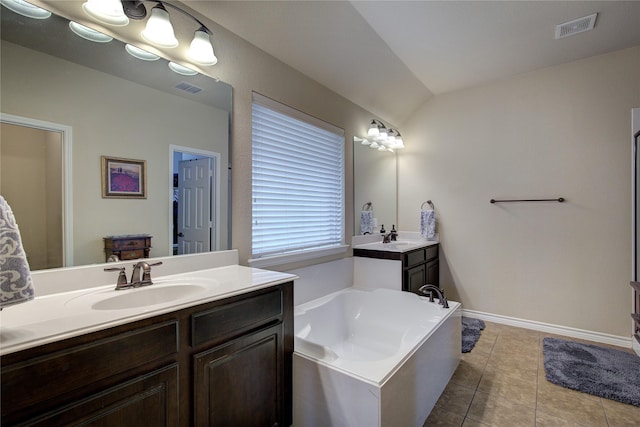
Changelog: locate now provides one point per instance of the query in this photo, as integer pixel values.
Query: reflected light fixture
(89, 33)
(136, 52)
(26, 9)
(181, 69)
(382, 138)
(106, 11)
(159, 30)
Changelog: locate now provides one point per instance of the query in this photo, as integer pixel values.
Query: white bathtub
(372, 358)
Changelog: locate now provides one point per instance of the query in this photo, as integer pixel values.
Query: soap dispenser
(382, 230)
(394, 233)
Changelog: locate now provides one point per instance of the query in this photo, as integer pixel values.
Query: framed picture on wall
(123, 178)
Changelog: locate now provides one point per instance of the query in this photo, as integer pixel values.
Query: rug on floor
(470, 333)
(600, 371)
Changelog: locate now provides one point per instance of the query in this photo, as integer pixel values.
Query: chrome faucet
(141, 275)
(430, 290)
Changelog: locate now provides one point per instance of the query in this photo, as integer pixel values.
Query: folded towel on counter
(428, 224)
(366, 222)
(15, 277)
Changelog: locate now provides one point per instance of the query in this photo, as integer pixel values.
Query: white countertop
(63, 315)
(396, 246)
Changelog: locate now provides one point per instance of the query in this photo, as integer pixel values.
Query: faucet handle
(122, 278)
(146, 272)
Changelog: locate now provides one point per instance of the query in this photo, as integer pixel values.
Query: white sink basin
(143, 297)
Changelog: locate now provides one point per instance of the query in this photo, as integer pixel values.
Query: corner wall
(557, 132)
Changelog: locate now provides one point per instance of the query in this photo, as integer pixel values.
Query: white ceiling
(390, 56)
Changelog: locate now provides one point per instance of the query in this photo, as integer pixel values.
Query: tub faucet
(430, 290)
(141, 275)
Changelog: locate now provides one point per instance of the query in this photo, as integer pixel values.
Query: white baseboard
(636, 346)
(552, 329)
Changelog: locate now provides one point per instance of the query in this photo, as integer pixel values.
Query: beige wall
(118, 125)
(561, 131)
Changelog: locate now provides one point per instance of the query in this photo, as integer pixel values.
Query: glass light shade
(181, 69)
(159, 30)
(201, 50)
(373, 129)
(26, 9)
(89, 33)
(136, 52)
(374, 145)
(365, 141)
(106, 11)
(399, 142)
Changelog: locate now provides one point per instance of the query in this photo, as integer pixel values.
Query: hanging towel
(428, 224)
(366, 222)
(15, 278)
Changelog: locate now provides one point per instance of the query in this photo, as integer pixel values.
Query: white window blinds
(297, 181)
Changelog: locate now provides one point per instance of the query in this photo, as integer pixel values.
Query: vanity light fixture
(382, 138)
(89, 33)
(106, 11)
(26, 9)
(136, 52)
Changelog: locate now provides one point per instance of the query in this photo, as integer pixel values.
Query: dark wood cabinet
(132, 246)
(228, 362)
(419, 266)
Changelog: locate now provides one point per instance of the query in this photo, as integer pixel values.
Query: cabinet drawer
(77, 368)
(414, 258)
(431, 252)
(130, 244)
(235, 318)
(127, 254)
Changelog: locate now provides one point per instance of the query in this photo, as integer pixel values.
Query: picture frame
(123, 178)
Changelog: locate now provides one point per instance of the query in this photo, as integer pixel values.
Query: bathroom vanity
(222, 356)
(403, 264)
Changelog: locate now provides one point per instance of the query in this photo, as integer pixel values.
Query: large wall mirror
(96, 100)
(375, 182)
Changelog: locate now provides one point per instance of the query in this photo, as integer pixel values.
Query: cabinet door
(416, 277)
(148, 400)
(241, 383)
(433, 272)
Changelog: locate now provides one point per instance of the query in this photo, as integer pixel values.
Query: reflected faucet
(430, 290)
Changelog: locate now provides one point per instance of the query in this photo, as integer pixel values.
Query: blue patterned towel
(428, 224)
(15, 277)
(366, 222)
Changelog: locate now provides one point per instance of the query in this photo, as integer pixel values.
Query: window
(297, 182)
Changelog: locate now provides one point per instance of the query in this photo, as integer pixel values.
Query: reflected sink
(143, 297)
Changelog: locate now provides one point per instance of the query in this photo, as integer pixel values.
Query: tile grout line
(475, 390)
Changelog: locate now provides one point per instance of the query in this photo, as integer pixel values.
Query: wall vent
(188, 87)
(576, 26)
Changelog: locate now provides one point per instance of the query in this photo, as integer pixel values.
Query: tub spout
(430, 290)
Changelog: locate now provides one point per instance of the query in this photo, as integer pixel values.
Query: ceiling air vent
(576, 26)
(188, 87)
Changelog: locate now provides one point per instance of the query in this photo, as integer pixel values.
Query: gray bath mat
(470, 333)
(604, 372)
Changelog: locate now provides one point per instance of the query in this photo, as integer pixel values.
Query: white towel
(15, 278)
(366, 222)
(428, 224)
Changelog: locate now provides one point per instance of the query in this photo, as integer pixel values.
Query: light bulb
(159, 30)
(201, 50)
(106, 11)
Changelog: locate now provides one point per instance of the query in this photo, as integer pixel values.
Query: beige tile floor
(502, 383)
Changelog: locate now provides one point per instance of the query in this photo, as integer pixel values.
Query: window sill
(270, 261)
